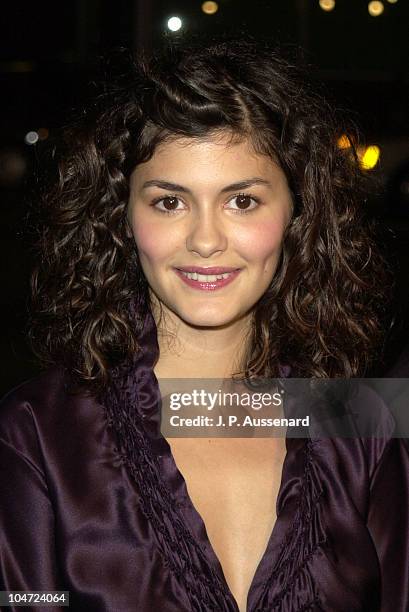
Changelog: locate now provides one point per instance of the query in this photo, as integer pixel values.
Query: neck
(188, 351)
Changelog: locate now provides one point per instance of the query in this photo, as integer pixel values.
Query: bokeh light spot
(327, 5)
(210, 8)
(174, 24)
(31, 138)
(375, 8)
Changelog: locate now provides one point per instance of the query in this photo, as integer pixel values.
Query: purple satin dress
(120, 533)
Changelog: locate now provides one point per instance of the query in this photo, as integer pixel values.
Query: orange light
(210, 8)
(344, 142)
(43, 133)
(327, 5)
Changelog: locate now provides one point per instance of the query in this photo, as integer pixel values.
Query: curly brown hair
(321, 313)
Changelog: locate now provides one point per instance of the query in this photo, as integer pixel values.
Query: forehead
(214, 155)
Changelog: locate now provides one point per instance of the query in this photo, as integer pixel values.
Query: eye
(167, 204)
(244, 202)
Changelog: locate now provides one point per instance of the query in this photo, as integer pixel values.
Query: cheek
(153, 241)
(261, 241)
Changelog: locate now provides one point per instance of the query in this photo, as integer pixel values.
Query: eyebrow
(256, 180)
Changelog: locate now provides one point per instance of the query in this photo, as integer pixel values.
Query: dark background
(49, 54)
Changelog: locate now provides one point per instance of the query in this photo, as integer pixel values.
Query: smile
(207, 282)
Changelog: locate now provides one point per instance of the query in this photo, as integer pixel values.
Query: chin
(215, 319)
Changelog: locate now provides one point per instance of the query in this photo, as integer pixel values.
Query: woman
(204, 224)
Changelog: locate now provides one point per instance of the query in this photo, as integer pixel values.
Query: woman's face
(208, 207)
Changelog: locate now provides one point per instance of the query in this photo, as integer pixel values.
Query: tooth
(208, 278)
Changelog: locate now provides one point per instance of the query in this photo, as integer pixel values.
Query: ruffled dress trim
(283, 580)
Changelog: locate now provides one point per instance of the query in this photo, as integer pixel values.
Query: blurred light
(210, 8)
(43, 133)
(13, 166)
(17, 66)
(392, 1)
(370, 157)
(327, 5)
(375, 8)
(404, 188)
(344, 142)
(174, 24)
(31, 138)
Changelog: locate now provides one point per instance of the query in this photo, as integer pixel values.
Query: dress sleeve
(388, 523)
(27, 546)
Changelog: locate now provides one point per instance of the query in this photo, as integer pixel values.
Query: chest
(233, 484)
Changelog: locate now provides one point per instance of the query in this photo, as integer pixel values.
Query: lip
(210, 270)
(208, 285)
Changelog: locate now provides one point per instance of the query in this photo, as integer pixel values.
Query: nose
(206, 234)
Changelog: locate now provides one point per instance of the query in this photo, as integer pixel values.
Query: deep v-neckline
(134, 400)
(176, 485)
(198, 528)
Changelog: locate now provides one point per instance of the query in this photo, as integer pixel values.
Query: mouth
(208, 279)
